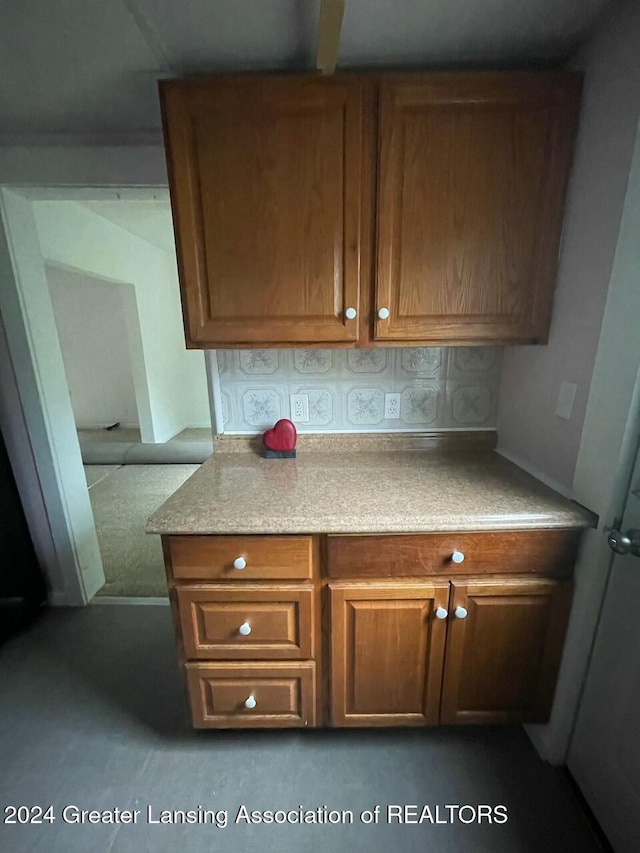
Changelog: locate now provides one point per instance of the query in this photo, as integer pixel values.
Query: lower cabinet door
(252, 695)
(504, 644)
(387, 648)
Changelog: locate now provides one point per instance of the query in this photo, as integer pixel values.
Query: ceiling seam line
(149, 35)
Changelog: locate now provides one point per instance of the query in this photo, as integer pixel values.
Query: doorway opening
(132, 415)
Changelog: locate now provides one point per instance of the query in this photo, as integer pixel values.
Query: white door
(604, 755)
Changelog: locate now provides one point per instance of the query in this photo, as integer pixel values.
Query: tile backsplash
(439, 387)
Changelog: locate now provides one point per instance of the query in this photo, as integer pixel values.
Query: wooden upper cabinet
(266, 190)
(503, 650)
(280, 227)
(472, 175)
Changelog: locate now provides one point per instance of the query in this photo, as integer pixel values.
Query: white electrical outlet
(391, 406)
(299, 407)
(566, 397)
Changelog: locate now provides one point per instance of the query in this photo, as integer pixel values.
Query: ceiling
(87, 70)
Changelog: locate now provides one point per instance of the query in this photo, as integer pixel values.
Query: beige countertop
(344, 490)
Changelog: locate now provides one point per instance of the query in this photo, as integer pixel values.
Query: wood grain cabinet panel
(252, 695)
(544, 552)
(386, 653)
(247, 621)
(266, 190)
(472, 177)
(502, 659)
(447, 643)
(260, 557)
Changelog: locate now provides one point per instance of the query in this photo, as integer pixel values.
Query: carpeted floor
(95, 473)
(122, 500)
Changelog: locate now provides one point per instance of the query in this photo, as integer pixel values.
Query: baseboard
(129, 599)
(104, 426)
(588, 811)
(546, 745)
(565, 491)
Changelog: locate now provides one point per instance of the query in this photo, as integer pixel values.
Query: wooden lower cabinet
(303, 644)
(390, 665)
(504, 644)
(387, 649)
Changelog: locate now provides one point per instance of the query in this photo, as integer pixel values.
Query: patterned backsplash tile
(439, 387)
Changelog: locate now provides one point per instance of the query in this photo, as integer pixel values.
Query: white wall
(75, 237)
(92, 329)
(529, 430)
(583, 454)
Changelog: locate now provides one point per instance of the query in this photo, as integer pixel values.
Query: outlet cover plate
(391, 406)
(299, 408)
(566, 398)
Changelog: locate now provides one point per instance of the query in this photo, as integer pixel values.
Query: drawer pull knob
(461, 612)
(245, 629)
(457, 557)
(351, 313)
(239, 563)
(250, 702)
(383, 313)
(441, 613)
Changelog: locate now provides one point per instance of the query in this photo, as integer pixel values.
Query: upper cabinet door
(265, 177)
(472, 176)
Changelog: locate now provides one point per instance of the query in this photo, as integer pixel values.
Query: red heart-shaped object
(282, 437)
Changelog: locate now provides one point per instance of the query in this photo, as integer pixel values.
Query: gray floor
(91, 715)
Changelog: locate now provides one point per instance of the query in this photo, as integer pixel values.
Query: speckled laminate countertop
(363, 491)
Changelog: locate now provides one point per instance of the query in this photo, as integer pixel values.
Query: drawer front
(247, 621)
(545, 552)
(255, 557)
(252, 695)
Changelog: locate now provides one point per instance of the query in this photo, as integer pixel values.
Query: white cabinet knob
(457, 557)
(461, 612)
(383, 313)
(250, 702)
(441, 613)
(239, 563)
(351, 313)
(245, 629)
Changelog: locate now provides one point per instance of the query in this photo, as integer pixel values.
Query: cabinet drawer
(255, 557)
(247, 621)
(250, 695)
(546, 552)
